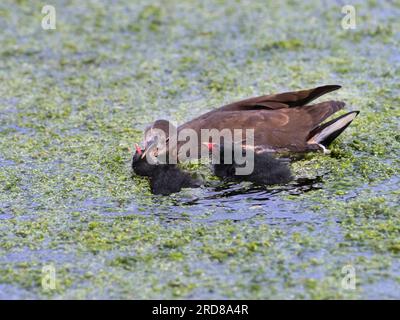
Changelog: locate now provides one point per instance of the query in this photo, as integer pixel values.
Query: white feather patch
(337, 125)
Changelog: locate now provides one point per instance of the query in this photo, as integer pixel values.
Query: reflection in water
(241, 201)
(231, 191)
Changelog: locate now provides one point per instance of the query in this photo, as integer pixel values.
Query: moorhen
(281, 122)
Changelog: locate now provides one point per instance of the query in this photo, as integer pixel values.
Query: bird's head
(145, 160)
(218, 151)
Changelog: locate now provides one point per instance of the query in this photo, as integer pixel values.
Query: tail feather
(321, 111)
(329, 131)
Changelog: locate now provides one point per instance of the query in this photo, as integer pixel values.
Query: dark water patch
(10, 104)
(385, 187)
(231, 191)
(12, 128)
(238, 202)
(45, 256)
(13, 292)
(6, 163)
(5, 216)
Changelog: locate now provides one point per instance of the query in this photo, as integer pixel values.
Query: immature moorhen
(281, 122)
(164, 178)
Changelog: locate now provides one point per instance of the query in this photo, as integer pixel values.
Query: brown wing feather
(281, 129)
(280, 100)
(269, 102)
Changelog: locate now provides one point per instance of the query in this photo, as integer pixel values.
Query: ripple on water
(241, 201)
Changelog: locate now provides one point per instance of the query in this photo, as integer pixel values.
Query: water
(72, 100)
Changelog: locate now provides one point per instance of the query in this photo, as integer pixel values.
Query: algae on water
(73, 99)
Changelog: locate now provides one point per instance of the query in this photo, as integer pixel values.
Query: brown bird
(283, 122)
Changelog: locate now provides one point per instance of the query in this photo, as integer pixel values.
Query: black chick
(267, 169)
(164, 178)
(140, 165)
